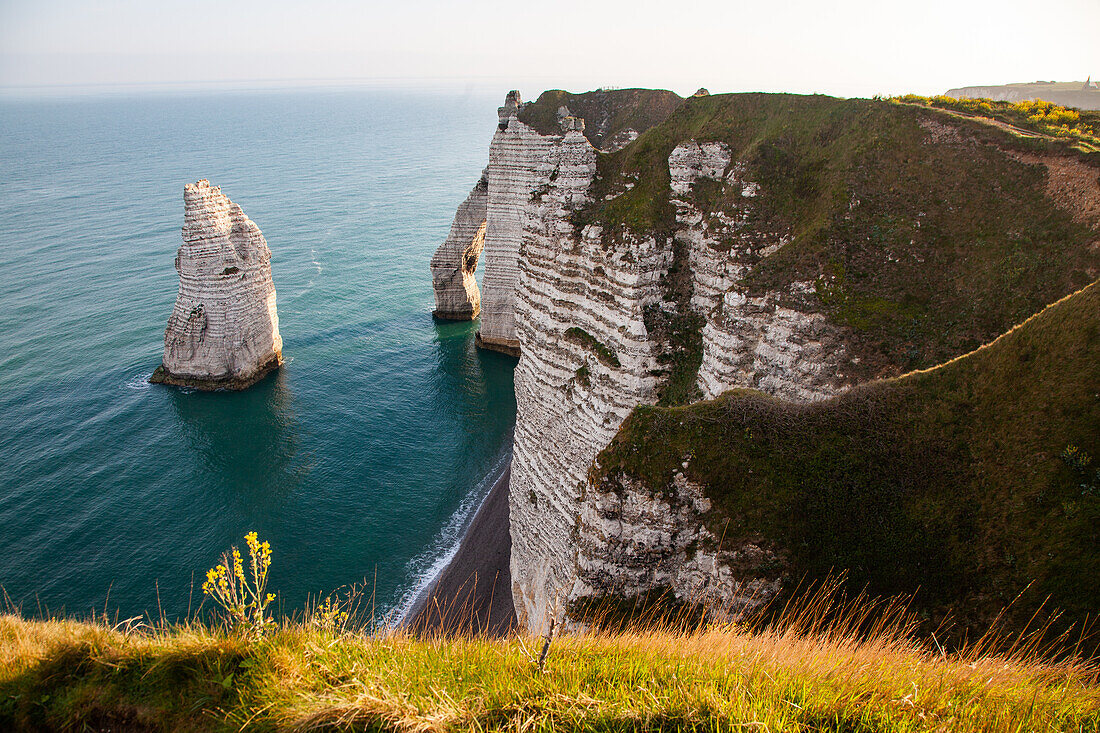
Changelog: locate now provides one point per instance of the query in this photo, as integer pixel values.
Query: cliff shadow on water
(483, 378)
(250, 440)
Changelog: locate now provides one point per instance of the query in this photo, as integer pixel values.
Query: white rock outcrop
(775, 342)
(763, 343)
(224, 330)
(586, 363)
(630, 540)
(692, 161)
(589, 360)
(520, 160)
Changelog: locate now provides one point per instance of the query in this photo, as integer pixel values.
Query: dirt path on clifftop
(1071, 183)
(992, 122)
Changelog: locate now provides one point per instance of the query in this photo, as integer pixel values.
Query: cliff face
(791, 245)
(774, 342)
(586, 362)
(224, 330)
(523, 157)
(591, 354)
(520, 160)
(971, 481)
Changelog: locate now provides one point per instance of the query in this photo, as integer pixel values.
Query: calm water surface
(357, 460)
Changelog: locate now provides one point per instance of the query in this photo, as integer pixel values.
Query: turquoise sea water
(358, 460)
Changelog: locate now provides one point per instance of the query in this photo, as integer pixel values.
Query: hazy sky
(845, 47)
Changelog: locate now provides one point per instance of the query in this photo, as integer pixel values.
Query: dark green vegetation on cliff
(971, 481)
(680, 330)
(926, 234)
(606, 112)
(588, 341)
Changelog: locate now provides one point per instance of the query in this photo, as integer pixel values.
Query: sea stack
(224, 330)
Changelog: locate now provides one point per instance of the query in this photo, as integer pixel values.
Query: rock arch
(457, 297)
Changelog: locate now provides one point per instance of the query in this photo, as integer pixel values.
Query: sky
(840, 47)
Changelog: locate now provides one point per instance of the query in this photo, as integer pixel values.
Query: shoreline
(472, 593)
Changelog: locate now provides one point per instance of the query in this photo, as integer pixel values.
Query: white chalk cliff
(492, 220)
(573, 304)
(570, 539)
(520, 160)
(224, 330)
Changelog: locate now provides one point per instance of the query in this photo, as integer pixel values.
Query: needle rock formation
(224, 330)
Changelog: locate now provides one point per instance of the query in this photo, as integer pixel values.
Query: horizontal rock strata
(613, 305)
(763, 343)
(631, 540)
(586, 363)
(519, 162)
(588, 360)
(775, 342)
(224, 329)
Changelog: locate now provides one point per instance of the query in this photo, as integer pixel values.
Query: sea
(360, 460)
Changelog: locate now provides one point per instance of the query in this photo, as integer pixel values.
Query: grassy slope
(948, 479)
(948, 246)
(79, 676)
(605, 112)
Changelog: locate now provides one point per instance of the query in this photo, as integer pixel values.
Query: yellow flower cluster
(259, 551)
(242, 597)
(215, 581)
(330, 615)
(1045, 117)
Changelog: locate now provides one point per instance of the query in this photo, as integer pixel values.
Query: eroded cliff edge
(792, 245)
(523, 157)
(224, 329)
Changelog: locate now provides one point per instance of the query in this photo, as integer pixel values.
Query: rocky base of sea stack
(504, 346)
(212, 384)
(468, 314)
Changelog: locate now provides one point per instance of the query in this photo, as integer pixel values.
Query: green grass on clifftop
(606, 112)
(924, 233)
(1080, 129)
(66, 675)
(975, 481)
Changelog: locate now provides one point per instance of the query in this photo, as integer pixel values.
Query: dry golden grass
(859, 671)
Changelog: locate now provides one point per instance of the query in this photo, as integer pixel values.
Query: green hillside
(926, 234)
(606, 112)
(976, 481)
(1078, 129)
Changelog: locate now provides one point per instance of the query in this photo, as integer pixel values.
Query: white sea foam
(426, 567)
(139, 382)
